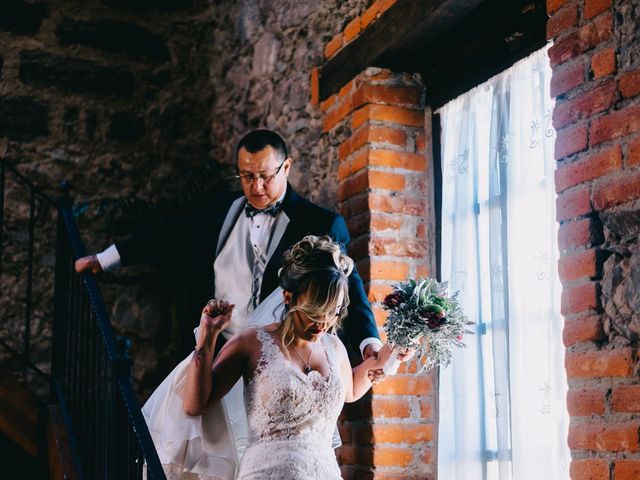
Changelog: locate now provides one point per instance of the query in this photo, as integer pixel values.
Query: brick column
(382, 192)
(596, 82)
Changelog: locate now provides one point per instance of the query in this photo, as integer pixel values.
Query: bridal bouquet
(424, 318)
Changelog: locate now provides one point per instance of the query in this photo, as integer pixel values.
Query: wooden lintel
(404, 24)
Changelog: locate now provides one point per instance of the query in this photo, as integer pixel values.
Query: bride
(296, 373)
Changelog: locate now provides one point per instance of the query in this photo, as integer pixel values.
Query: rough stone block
(160, 5)
(72, 74)
(70, 122)
(23, 118)
(125, 126)
(22, 18)
(114, 37)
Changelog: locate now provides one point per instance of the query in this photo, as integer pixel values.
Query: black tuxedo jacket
(192, 238)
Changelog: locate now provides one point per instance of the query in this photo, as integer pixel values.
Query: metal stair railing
(90, 367)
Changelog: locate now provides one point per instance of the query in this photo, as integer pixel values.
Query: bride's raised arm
(356, 380)
(208, 381)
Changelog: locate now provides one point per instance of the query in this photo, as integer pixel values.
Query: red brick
(420, 142)
(422, 271)
(388, 95)
(404, 385)
(570, 140)
(573, 203)
(581, 403)
(353, 164)
(387, 135)
(633, 156)
(392, 456)
(588, 167)
(579, 265)
(390, 158)
(626, 398)
(315, 87)
(626, 469)
(578, 42)
(378, 291)
(394, 204)
(386, 180)
(426, 408)
(622, 188)
(353, 185)
(589, 469)
(388, 270)
(333, 46)
(603, 63)
(566, 77)
(359, 224)
(399, 115)
(595, 7)
(335, 115)
(402, 433)
(583, 329)
(390, 408)
(355, 205)
(370, 14)
(553, 5)
(346, 89)
(585, 105)
(352, 30)
(614, 125)
(326, 105)
(578, 233)
(578, 299)
(604, 437)
(380, 223)
(562, 20)
(385, 246)
(599, 363)
(629, 84)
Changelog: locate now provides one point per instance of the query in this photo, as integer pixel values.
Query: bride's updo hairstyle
(315, 271)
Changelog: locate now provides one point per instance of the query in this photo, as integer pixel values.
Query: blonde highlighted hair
(314, 271)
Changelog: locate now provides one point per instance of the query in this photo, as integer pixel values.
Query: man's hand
(371, 350)
(88, 264)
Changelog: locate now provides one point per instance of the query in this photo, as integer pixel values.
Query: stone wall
(138, 104)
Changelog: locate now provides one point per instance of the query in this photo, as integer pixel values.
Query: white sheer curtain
(502, 402)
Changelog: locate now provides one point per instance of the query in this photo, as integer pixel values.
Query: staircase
(67, 407)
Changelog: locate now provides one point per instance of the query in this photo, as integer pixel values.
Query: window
(502, 402)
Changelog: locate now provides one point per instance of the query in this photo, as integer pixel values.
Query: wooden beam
(404, 24)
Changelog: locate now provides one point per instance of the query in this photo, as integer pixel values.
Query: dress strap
(328, 341)
(268, 349)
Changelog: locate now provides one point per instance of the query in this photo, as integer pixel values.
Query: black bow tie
(251, 211)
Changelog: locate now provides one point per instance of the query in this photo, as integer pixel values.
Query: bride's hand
(215, 317)
(378, 360)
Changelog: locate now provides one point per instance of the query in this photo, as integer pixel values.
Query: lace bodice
(284, 403)
(292, 416)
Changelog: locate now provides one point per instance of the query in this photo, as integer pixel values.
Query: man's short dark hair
(257, 140)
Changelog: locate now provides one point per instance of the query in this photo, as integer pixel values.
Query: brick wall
(596, 81)
(378, 122)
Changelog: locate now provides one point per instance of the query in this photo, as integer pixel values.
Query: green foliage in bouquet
(423, 317)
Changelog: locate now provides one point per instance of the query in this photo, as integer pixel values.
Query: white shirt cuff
(368, 341)
(109, 259)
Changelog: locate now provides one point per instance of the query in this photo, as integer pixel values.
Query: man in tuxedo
(233, 242)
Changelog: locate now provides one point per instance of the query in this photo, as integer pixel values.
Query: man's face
(263, 176)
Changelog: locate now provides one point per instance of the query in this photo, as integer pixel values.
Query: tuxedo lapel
(278, 233)
(234, 211)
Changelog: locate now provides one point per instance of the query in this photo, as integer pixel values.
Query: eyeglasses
(248, 179)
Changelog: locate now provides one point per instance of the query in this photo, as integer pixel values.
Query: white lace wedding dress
(292, 417)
